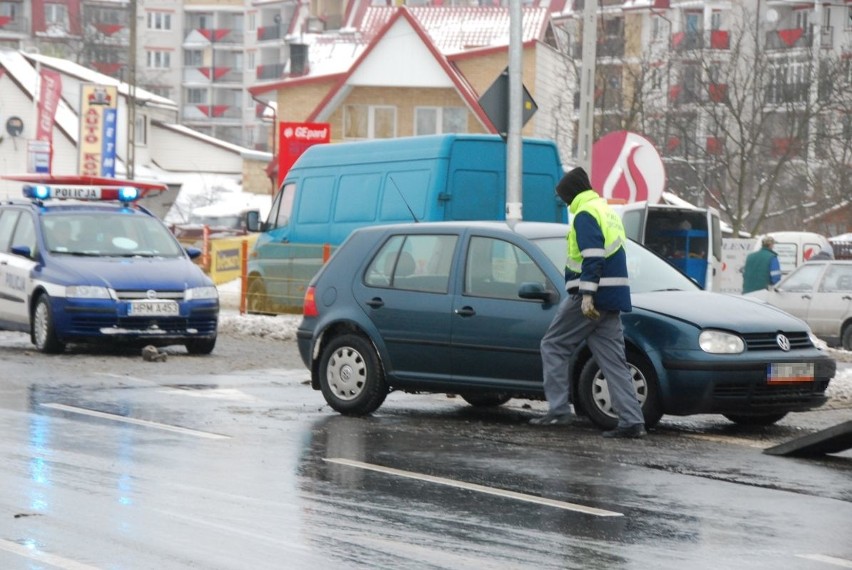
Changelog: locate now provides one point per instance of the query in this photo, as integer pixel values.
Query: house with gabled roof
(420, 70)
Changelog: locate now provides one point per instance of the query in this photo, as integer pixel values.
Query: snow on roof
(91, 76)
(233, 203)
(202, 137)
(24, 74)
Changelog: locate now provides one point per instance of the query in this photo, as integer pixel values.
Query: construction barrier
(226, 257)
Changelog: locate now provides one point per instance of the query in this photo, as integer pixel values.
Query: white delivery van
(688, 236)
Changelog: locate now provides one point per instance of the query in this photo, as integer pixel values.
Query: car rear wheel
(256, 299)
(201, 345)
(594, 397)
(350, 376)
(756, 420)
(43, 329)
(486, 399)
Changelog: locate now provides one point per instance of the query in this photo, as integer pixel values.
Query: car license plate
(790, 372)
(153, 308)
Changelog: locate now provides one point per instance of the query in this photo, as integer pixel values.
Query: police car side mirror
(192, 252)
(22, 250)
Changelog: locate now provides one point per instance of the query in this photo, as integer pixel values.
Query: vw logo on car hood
(783, 342)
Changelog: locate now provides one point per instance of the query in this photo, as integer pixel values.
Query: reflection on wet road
(251, 470)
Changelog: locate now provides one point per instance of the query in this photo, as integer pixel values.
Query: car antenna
(410, 211)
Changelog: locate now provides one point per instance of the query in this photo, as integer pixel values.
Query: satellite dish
(772, 15)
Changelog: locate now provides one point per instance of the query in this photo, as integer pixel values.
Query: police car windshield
(108, 234)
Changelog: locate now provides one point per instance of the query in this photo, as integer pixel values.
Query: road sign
(495, 103)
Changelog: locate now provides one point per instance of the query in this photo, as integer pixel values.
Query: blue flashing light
(128, 193)
(37, 191)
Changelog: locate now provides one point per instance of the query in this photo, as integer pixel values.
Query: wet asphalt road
(109, 462)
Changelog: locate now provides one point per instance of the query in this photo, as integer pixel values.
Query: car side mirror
(192, 252)
(22, 250)
(535, 291)
(253, 221)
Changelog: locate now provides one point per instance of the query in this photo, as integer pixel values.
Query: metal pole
(587, 85)
(131, 97)
(514, 143)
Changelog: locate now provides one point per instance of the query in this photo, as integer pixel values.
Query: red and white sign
(51, 90)
(296, 138)
(627, 166)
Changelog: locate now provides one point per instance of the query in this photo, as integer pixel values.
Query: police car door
(17, 233)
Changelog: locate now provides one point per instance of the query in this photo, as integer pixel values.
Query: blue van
(332, 189)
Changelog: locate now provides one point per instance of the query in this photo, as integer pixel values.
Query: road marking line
(843, 563)
(475, 487)
(43, 557)
(146, 423)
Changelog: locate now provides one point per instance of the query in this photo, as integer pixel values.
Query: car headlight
(816, 341)
(719, 342)
(201, 293)
(87, 292)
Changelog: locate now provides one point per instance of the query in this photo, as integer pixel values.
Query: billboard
(296, 138)
(98, 114)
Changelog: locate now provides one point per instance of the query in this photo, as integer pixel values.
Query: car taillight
(309, 307)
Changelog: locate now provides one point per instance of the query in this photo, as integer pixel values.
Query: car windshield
(647, 271)
(108, 234)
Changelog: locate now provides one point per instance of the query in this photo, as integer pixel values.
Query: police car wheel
(43, 330)
(201, 345)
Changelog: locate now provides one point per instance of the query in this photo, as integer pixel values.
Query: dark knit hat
(573, 183)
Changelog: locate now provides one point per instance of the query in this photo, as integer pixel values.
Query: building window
(196, 96)
(159, 21)
(193, 58)
(716, 20)
(369, 122)
(159, 59)
(251, 60)
(252, 21)
(141, 130)
(439, 120)
(802, 18)
(56, 16)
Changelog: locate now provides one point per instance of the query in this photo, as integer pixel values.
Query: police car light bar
(103, 182)
(73, 192)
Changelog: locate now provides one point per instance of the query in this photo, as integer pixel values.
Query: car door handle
(844, 297)
(376, 303)
(806, 296)
(466, 311)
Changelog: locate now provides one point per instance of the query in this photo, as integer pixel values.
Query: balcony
(720, 39)
(211, 112)
(687, 41)
(680, 94)
(220, 74)
(216, 36)
(17, 25)
(610, 46)
(270, 71)
(780, 93)
(269, 33)
(788, 38)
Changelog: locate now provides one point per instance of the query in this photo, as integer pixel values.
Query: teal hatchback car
(460, 307)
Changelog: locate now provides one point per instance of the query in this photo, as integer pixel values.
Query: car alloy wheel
(43, 331)
(595, 400)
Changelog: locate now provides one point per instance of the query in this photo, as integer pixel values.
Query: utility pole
(130, 160)
(514, 143)
(585, 131)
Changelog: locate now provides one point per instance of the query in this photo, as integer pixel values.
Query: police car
(83, 263)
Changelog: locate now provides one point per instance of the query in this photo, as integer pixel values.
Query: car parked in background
(83, 263)
(460, 307)
(819, 293)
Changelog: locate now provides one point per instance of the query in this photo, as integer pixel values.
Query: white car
(819, 293)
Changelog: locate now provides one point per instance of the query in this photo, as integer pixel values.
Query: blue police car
(83, 263)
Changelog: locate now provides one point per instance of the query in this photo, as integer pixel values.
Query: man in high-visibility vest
(598, 292)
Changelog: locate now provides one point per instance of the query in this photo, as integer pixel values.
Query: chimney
(298, 59)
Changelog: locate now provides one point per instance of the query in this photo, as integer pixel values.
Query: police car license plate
(77, 192)
(790, 372)
(153, 309)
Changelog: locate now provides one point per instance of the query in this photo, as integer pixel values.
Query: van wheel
(487, 399)
(200, 345)
(257, 302)
(593, 392)
(755, 420)
(350, 376)
(43, 331)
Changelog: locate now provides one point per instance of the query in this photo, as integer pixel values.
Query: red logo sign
(296, 138)
(627, 166)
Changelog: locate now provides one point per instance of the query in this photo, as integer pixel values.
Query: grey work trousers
(605, 336)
